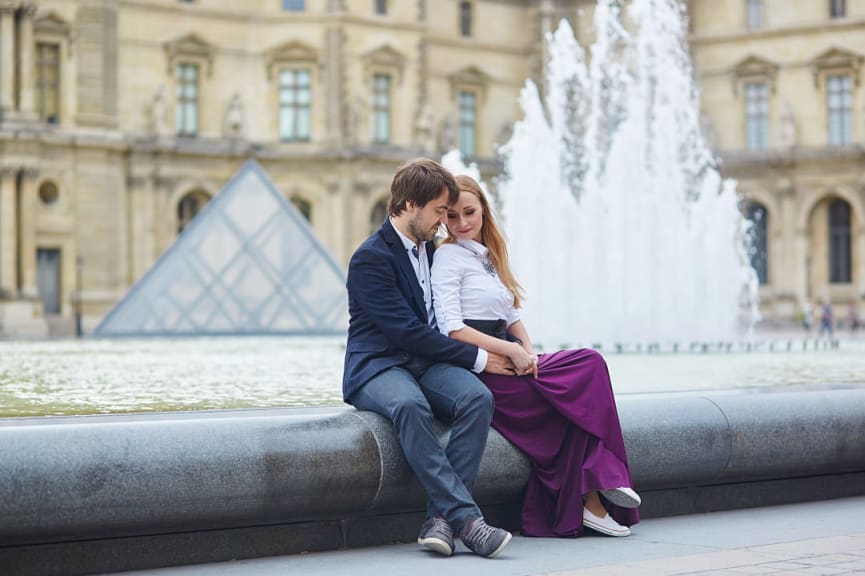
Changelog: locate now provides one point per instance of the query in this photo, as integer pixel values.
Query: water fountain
(621, 230)
(620, 227)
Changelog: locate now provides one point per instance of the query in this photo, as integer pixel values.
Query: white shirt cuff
(480, 361)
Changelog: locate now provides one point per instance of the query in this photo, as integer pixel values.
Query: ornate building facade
(785, 107)
(120, 119)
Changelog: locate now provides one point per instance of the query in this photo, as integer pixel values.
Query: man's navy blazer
(388, 318)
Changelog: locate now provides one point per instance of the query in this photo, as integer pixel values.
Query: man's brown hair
(419, 181)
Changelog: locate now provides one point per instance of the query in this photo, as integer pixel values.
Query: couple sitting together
(436, 333)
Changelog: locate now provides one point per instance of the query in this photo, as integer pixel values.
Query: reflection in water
(105, 376)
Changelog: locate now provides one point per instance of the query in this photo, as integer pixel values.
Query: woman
(557, 408)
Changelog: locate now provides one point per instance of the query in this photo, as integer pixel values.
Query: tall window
(381, 7)
(381, 108)
(295, 99)
(189, 207)
(466, 18)
(48, 82)
(756, 15)
(840, 256)
(757, 215)
(837, 8)
(756, 115)
(293, 5)
(186, 109)
(468, 123)
(839, 94)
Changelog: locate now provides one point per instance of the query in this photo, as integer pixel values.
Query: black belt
(495, 328)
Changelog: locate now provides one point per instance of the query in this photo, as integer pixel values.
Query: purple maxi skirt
(566, 422)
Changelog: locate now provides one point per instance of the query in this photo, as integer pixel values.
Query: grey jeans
(453, 395)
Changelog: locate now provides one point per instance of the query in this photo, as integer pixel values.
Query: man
(398, 364)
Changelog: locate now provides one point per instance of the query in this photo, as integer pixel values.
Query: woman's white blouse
(463, 287)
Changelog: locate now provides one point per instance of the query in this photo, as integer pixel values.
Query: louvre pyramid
(247, 264)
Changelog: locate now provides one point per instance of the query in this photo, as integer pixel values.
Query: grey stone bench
(97, 493)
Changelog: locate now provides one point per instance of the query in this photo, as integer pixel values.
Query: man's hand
(498, 364)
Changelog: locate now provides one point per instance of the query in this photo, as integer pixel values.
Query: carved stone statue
(707, 128)
(423, 128)
(234, 118)
(503, 136)
(447, 134)
(158, 112)
(354, 112)
(789, 133)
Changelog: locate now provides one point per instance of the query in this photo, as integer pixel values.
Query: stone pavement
(818, 538)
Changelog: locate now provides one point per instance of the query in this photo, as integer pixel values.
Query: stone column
(784, 262)
(27, 248)
(546, 16)
(803, 266)
(142, 233)
(859, 251)
(27, 59)
(335, 221)
(7, 56)
(8, 233)
(333, 75)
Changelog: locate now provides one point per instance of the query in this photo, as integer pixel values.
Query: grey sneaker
(437, 535)
(483, 539)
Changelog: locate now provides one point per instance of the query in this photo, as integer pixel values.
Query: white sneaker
(624, 497)
(605, 525)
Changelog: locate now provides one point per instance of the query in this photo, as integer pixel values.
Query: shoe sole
(436, 545)
(604, 530)
(620, 499)
(501, 546)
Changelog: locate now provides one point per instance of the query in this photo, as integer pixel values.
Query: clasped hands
(518, 362)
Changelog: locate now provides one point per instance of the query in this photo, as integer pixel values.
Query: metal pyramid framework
(247, 264)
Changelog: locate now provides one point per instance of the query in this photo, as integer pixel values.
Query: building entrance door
(48, 279)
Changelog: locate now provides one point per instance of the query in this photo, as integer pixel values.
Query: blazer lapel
(402, 262)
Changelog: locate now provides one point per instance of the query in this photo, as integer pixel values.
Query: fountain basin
(101, 493)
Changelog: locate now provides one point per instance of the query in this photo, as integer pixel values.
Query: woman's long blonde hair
(492, 238)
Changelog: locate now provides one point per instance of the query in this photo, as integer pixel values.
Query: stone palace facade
(120, 119)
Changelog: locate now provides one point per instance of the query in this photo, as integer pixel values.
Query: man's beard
(421, 234)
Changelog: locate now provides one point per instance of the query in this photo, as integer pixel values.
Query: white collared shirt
(422, 271)
(465, 285)
(421, 266)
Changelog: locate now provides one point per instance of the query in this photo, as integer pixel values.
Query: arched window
(189, 207)
(377, 216)
(758, 246)
(303, 206)
(840, 257)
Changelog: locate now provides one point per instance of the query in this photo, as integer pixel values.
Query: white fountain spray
(621, 230)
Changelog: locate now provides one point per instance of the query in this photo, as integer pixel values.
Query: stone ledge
(85, 494)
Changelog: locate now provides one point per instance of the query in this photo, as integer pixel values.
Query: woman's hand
(533, 370)
(523, 361)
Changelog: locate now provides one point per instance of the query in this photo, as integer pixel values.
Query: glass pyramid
(247, 264)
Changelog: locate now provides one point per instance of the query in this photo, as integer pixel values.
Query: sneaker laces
(442, 525)
(480, 532)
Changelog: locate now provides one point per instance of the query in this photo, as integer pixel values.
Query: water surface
(117, 376)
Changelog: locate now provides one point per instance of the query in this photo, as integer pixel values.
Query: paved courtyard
(819, 538)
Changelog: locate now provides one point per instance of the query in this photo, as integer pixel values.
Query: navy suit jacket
(388, 318)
